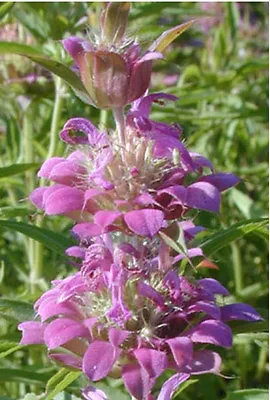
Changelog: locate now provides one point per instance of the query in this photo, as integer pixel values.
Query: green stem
(28, 152)
(56, 116)
(103, 118)
(237, 267)
(120, 122)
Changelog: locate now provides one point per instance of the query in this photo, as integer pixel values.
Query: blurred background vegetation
(219, 71)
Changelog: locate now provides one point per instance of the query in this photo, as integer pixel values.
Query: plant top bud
(113, 21)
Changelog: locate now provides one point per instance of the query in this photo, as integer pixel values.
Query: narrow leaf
(169, 36)
(16, 169)
(17, 310)
(55, 67)
(248, 394)
(224, 237)
(5, 8)
(52, 240)
(65, 382)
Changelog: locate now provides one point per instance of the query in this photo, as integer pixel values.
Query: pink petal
(61, 331)
(106, 218)
(64, 201)
(117, 336)
(37, 196)
(48, 165)
(145, 222)
(67, 173)
(67, 359)
(86, 230)
(99, 359)
(32, 332)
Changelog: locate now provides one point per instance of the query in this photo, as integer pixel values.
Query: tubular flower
(111, 319)
(134, 189)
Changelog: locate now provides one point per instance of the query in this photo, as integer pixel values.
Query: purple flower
(111, 319)
(135, 189)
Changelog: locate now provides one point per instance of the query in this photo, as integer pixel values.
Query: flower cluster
(130, 311)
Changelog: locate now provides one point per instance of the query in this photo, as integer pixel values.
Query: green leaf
(5, 8)
(224, 237)
(248, 394)
(54, 66)
(23, 375)
(16, 169)
(169, 36)
(184, 386)
(65, 381)
(17, 310)
(7, 348)
(52, 240)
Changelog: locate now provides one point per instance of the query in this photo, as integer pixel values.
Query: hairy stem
(120, 122)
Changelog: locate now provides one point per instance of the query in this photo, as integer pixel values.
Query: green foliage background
(220, 73)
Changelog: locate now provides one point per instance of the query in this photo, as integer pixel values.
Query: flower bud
(113, 21)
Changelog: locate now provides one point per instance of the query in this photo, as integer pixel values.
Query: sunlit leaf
(169, 36)
(5, 8)
(224, 237)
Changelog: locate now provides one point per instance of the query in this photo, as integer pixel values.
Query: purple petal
(182, 350)
(200, 161)
(143, 105)
(147, 291)
(61, 331)
(48, 165)
(106, 218)
(151, 55)
(145, 222)
(99, 359)
(190, 230)
(204, 196)
(64, 201)
(210, 309)
(67, 359)
(92, 393)
(212, 286)
(117, 336)
(153, 361)
(239, 311)
(91, 136)
(171, 385)
(221, 181)
(32, 332)
(204, 362)
(73, 45)
(75, 251)
(211, 331)
(137, 381)
(86, 230)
